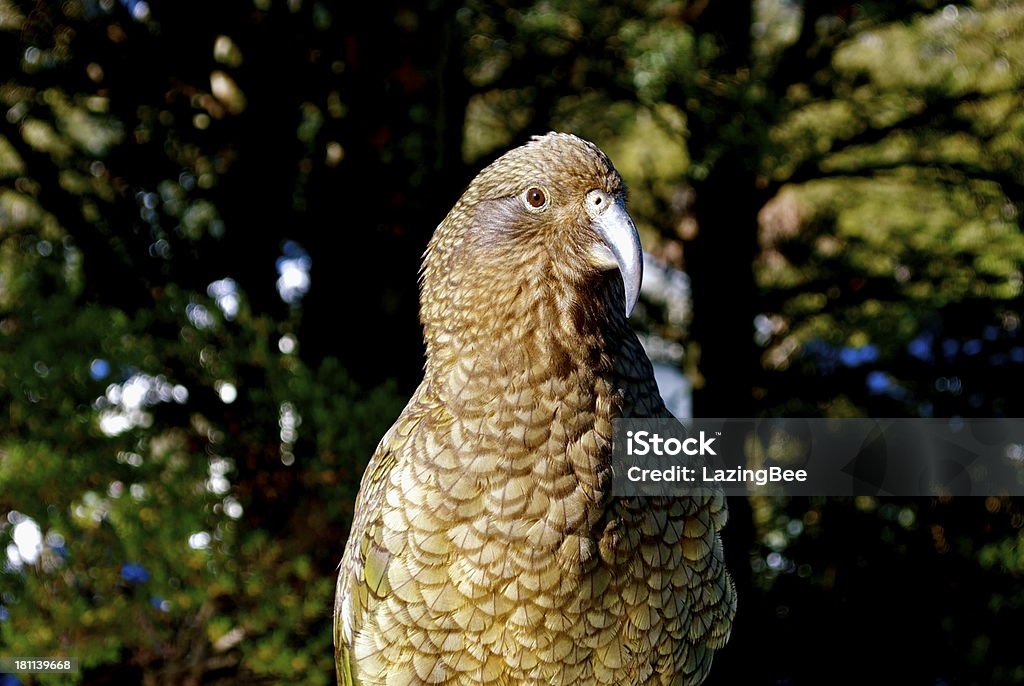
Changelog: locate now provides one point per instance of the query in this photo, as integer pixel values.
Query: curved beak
(616, 229)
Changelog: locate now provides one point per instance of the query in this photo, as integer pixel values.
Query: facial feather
(493, 247)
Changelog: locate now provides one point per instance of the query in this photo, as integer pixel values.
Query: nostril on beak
(597, 203)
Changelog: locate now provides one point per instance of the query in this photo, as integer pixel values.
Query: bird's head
(545, 222)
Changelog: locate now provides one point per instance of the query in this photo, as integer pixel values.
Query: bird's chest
(541, 584)
(521, 471)
(519, 548)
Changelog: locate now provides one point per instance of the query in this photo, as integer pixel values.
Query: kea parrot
(486, 545)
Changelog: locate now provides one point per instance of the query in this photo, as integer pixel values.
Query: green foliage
(169, 544)
(157, 489)
(903, 201)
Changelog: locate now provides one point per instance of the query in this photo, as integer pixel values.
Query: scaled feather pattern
(486, 547)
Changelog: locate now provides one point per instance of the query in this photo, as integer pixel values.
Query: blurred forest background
(211, 215)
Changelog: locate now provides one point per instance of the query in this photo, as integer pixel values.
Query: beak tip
(631, 300)
(620, 236)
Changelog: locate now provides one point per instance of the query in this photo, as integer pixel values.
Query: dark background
(211, 215)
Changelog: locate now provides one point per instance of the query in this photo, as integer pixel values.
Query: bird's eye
(536, 198)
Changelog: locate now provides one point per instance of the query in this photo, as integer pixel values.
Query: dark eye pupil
(535, 197)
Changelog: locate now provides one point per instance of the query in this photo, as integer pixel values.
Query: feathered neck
(534, 314)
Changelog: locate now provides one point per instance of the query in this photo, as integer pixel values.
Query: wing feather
(363, 574)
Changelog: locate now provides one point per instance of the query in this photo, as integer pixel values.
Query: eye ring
(535, 198)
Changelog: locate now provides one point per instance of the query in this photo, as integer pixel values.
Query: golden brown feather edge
(486, 547)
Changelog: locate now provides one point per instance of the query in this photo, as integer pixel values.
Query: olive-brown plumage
(486, 547)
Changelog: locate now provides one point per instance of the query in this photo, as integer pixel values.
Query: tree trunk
(720, 258)
(720, 263)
